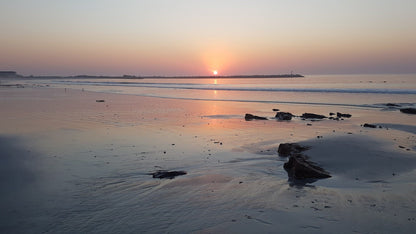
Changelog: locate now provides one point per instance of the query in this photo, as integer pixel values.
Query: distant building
(8, 74)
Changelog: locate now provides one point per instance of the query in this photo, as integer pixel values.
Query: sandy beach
(75, 161)
(207, 117)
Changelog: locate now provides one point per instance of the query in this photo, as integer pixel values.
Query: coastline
(89, 161)
(17, 76)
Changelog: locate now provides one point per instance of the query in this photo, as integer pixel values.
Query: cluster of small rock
(286, 116)
(299, 166)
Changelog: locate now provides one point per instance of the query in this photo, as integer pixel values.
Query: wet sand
(72, 164)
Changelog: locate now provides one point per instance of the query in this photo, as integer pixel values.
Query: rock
(287, 149)
(275, 109)
(340, 115)
(366, 125)
(100, 100)
(312, 116)
(249, 117)
(331, 113)
(167, 174)
(284, 116)
(392, 105)
(408, 111)
(299, 168)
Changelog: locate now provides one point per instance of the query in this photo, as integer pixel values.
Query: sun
(215, 72)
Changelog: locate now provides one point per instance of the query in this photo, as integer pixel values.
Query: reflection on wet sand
(91, 161)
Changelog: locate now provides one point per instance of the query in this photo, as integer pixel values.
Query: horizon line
(17, 75)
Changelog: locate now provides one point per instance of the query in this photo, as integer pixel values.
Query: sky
(179, 37)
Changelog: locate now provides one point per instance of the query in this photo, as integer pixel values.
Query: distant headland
(13, 74)
(226, 77)
(9, 74)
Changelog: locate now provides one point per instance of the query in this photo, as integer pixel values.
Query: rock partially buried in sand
(299, 167)
(100, 100)
(341, 115)
(408, 111)
(249, 117)
(284, 116)
(167, 174)
(392, 105)
(366, 125)
(287, 149)
(312, 116)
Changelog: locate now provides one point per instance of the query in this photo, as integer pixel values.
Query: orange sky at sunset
(198, 37)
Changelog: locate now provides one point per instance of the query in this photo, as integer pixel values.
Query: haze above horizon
(174, 38)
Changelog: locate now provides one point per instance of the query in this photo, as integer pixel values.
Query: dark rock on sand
(331, 113)
(299, 168)
(284, 116)
(100, 100)
(366, 125)
(392, 105)
(275, 109)
(287, 149)
(341, 115)
(408, 111)
(249, 117)
(167, 174)
(312, 116)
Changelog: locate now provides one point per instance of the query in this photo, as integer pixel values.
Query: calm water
(327, 90)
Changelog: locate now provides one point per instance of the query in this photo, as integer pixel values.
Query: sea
(345, 90)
